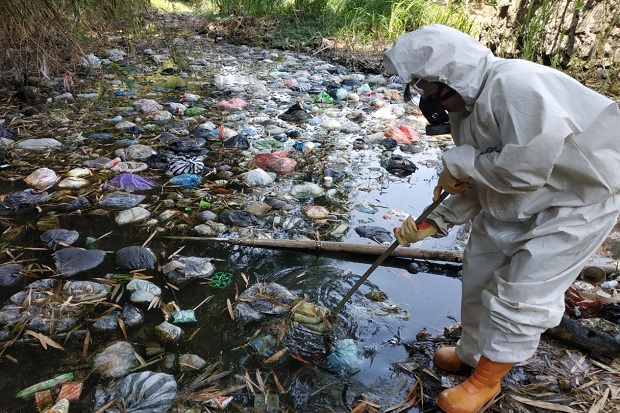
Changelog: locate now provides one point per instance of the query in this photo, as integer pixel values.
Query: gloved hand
(449, 184)
(410, 232)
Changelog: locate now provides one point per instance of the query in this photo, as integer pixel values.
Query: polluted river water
(415, 301)
(366, 194)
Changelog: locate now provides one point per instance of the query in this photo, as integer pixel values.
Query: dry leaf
(261, 384)
(121, 324)
(230, 309)
(154, 303)
(189, 366)
(277, 382)
(276, 356)
(139, 358)
(105, 406)
(193, 334)
(149, 238)
(600, 404)
(297, 357)
(249, 383)
(174, 287)
(544, 405)
(44, 340)
(86, 344)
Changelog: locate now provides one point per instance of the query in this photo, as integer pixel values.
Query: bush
(44, 35)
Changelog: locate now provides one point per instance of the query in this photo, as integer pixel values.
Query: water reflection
(421, 300)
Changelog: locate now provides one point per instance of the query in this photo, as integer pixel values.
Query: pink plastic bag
(234, 103)
(274, 161)
(224, 133)
(403, 134)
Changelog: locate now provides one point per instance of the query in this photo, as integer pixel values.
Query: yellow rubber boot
(475, 392)
(446, 358)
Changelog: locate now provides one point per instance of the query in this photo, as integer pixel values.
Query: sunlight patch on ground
(171, 6)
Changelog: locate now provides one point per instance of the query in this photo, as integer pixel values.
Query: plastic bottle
(112, 163)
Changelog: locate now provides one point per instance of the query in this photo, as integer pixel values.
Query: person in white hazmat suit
(536, 166)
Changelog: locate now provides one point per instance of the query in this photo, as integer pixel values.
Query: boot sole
(484, 408)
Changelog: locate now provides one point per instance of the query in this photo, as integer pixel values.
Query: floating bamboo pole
(335, 246)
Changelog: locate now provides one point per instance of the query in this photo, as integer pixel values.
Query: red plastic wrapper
(403, 134)
(274, 161)
(219, 403)
(71, 391)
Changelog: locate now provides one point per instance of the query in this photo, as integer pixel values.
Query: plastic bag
(258, 177)
(135, 257)
(129, 182)
(345, 357)
(41, 179)
(403, 134)
(275, 162)
(140, 392)
(234, 103)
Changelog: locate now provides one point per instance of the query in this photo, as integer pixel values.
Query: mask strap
(447, 96)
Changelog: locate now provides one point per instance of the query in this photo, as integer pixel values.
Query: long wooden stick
(335, 246)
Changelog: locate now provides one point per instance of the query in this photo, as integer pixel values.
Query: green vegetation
(48, 34)
(305, 22)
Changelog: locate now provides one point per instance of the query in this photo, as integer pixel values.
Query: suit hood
(439, 53)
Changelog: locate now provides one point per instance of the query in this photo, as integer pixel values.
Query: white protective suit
(543, 154)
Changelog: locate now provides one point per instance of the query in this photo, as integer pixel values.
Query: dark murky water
(415, 301)
(423, 300)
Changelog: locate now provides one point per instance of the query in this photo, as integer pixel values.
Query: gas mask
(430, 105)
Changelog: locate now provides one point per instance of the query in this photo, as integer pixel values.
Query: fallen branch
(596, 343)
(334, 246)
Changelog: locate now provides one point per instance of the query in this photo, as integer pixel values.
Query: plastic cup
(308, 147)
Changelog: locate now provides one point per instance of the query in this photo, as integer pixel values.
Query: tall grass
(361, 21)
(531, 37)
(43, 35)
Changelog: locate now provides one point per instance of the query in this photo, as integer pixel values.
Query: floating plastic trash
(186, 165)
(219, 402)
(187, 181)
(140, 392)
(70, 261)
(61, 406)
(44, 385)
(220, 280)
(135, 257)
(194, 111)
(43, 400)
(323, 97)
(129, 181)
(71, 390)
(184, 316)
(345, 357)
(274, 161)
(168, 333)
(41, 179)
